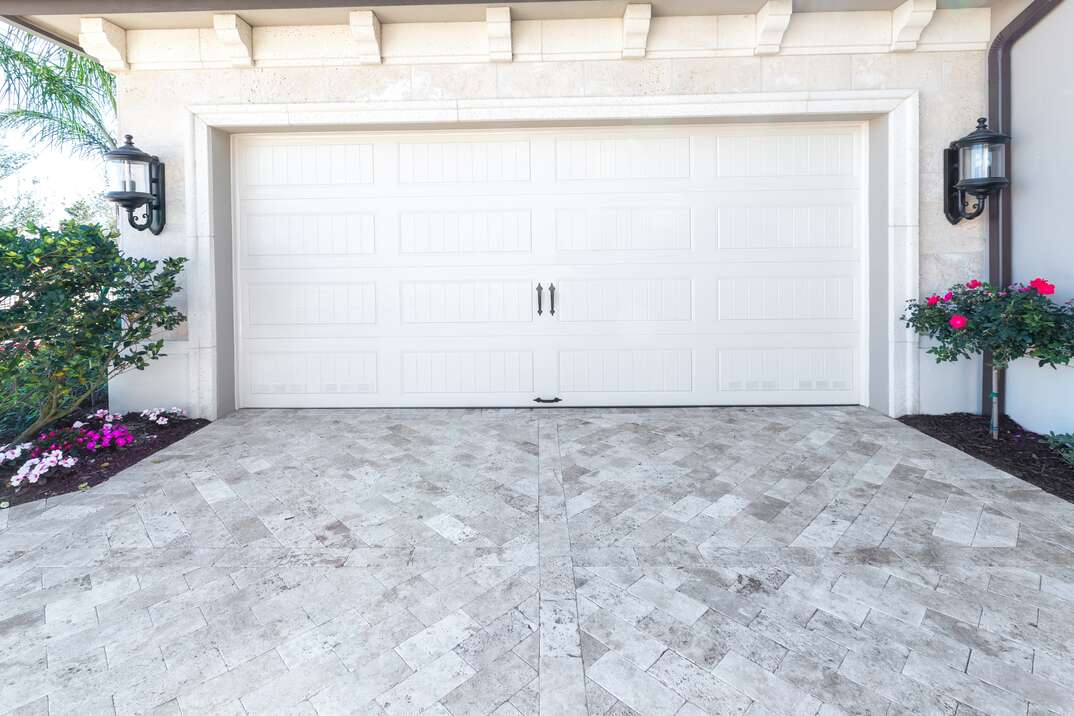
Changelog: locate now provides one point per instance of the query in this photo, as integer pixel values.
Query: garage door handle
(540, 297)
(552, 298)
(547, 400)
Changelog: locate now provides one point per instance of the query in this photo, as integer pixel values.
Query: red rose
(957, 321)
(1043, 287)
(974, 284)
(933, 300)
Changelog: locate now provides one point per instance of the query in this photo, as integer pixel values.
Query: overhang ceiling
(61, 17)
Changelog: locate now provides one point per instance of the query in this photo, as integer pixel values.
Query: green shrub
(1064, 445)
(74, 312)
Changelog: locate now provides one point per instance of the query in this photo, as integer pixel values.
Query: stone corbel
(636, 22)
(105, 42)
(365, 27)
(235, 34)
(908, 21)
(772, 22)
(498, 20)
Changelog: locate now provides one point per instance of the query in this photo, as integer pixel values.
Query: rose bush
(1019, 321)
(74, 312)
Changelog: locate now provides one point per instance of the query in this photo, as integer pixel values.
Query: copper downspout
(999, 208)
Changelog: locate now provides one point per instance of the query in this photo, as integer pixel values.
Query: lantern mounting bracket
(153, 217)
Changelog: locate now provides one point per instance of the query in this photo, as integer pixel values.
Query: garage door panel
(658, 300)
(311, 303)
(626, 370)
(477, 301)
(303, 162)
(692, 265)
(460, 161)
(274, 374)
(464, 372)
(623, 158)
(456, 232)
(816, 374)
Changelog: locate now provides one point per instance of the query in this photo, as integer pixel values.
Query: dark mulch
(1020, 452)
(93, 469)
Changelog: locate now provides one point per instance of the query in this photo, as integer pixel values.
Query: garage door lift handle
(540, 297)
(552, 297)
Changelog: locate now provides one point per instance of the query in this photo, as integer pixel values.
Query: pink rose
(933, 300)
(1043, 287)
(948, 296)
(974, 284)
(957, 321)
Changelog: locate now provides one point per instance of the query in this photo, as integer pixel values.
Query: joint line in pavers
(560, 673)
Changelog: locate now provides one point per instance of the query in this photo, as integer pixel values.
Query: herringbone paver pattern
(774, 561)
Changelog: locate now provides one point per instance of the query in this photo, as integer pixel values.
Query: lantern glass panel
(982, 161)
(128, 176)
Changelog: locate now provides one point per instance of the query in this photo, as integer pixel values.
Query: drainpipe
(999, 207)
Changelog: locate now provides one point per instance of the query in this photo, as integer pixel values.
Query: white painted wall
(947, 71)
(1042, 64)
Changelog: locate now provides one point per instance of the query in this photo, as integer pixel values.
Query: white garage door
(691, 265)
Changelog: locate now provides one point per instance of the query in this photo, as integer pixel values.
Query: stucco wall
(1042, 99)
(153, 106)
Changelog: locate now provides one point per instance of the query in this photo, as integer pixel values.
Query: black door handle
(547, 400)
(552, 296)
(540, 296)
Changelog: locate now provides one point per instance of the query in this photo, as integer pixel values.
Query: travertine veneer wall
(153, 105)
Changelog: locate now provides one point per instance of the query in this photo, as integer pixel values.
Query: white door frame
(900, 107)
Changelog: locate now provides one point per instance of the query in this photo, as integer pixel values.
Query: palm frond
(58, 96)
(50, 129)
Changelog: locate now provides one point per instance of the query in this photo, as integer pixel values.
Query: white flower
(35, 468)
(14, 452)
(77, 424)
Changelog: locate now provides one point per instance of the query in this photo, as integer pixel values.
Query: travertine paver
(725, 561)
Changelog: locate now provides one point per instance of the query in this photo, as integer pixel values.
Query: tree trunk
(994, 427)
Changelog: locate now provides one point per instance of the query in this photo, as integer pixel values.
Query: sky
(61, 178)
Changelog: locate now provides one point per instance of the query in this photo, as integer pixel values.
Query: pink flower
(974, 284)
(933, 300)
(1043, 287)
(948, 296)
(957, 321)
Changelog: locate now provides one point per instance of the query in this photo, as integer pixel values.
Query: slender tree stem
(994, 427)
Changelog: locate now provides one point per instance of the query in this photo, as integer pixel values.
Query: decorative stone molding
(498, 20)
(772, 22)
(236, 36)
(365, 27)
(105, 42)
(636, 21)
(908, 21)
(363, 40)
(899, 106)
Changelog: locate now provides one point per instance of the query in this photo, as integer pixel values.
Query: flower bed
(81, 453)
(1017, 451)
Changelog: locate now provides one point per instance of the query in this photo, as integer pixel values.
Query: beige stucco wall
(153, 105)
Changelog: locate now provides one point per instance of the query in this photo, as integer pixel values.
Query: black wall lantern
(136, 180)
(974, 166)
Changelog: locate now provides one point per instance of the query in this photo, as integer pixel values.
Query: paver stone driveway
(681, 561)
